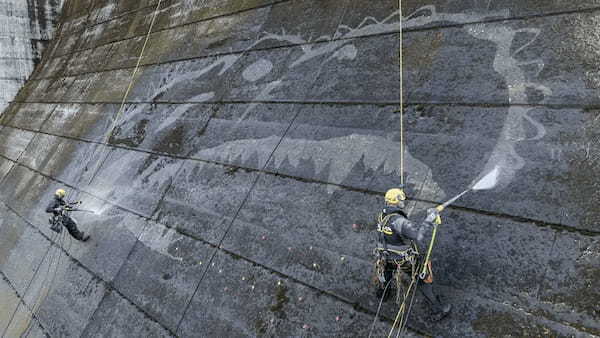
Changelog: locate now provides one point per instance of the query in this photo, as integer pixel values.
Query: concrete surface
(26, 28)
(236, 192)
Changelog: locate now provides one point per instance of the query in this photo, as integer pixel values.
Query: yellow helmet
(60, 193)
(394, 196)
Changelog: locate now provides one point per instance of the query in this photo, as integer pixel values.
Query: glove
(433, 216)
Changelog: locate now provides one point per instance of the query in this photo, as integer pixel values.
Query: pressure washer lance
(433, 215)
(71, 207)
(485, 183)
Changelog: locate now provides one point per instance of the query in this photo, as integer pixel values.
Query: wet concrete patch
(215, 109)
(133, 180)
(13, 142)
(71, 289)
(88, 122)
(24, 260)
(10, 302)
(306, 231)
(169, 129)
(24, 324)
(27, 116)
(28, 186)
(569, 291)
(49, 154)
(5, 167)
(247, 300)
(116, 316)
(162, 272)
(244, 134)
(206, 214)
(111, 229)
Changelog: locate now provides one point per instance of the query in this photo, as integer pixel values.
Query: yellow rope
(428, 257)
(131, 82)
(401, 100)
(400, 315)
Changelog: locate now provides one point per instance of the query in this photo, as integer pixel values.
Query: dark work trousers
(72, 227)
(426, 289)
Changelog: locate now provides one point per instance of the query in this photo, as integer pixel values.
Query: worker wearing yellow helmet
(60, 210)
(399, 250)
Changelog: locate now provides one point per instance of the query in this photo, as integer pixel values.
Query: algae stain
(173, 142)
(134, 140)
(261, 327)
(281, 299)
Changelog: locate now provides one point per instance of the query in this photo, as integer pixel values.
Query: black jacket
(398, 230)
(55, 204)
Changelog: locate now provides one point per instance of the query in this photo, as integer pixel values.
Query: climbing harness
(404, 262)
(382, 224)
(56, 224)
(402, 259)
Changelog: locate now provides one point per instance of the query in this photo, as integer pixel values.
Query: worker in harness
(400, 248)
(60, 210)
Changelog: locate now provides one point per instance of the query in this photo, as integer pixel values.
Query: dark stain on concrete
(281, 299)
(507, 325)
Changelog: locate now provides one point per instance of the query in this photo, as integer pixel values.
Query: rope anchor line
(102, 159)
(401, 97)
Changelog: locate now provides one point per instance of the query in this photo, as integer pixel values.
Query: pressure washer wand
(441, 207)
(486, 182)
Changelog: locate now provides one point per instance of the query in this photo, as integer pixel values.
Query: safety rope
(403, 326)
(48, 253)
(400, 315)
(53, 261)
(379, 308)
(426, 261)
(121, 107)
(401, 99)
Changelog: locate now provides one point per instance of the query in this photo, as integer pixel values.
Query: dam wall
(233, 191)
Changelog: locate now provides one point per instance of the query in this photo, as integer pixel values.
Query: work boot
(84, 237)
(436, 317)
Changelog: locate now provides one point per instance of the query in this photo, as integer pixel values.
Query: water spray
(72, 208)
(485, 183)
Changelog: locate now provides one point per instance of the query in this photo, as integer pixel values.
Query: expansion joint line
(234, 218)
(107, 283)
(21, 302)
(103, 158)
